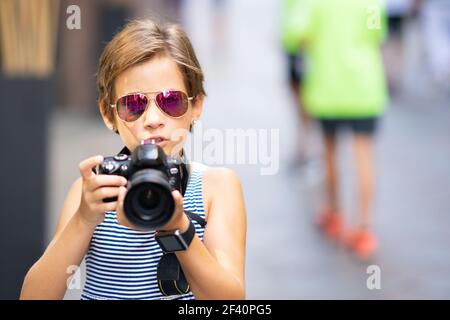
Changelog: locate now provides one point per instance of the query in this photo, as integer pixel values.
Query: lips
(155, 139)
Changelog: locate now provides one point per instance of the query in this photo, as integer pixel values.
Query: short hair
(140, 41)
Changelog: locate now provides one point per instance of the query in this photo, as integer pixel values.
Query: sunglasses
(173, 103)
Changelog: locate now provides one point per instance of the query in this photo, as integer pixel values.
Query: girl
(150, 88)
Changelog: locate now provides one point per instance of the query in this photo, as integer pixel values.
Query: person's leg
(331, 178)
(361, 238)
(329, 218)
(365, 173)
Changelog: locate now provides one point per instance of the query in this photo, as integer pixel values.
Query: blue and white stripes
(121, 262)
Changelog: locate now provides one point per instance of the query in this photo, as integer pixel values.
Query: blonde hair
(139, 41)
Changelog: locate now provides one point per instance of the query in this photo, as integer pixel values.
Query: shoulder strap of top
(196, 168)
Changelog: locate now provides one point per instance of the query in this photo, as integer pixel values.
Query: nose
(153, 117)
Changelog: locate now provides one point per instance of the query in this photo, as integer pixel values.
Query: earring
(193, 122)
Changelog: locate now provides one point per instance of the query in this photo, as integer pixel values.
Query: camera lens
(149, 203)
(148, 199)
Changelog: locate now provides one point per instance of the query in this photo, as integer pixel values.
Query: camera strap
(171, 279)
(196, 217)
(125, 150)
(170, 276)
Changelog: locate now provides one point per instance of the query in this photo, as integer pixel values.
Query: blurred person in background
(344, 86)
(398, 13)
(294, 62)
(435, 17)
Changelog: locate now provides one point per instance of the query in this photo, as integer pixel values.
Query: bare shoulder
(220, 185)
(221, 179)
(220, 176)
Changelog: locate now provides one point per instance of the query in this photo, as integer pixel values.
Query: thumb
(178, 198)
(121, 197)
(119, 209)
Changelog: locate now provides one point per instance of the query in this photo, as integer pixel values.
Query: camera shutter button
(121, 157)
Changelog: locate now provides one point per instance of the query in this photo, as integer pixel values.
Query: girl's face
(158, 74)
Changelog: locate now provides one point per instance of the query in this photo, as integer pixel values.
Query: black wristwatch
(175, 240)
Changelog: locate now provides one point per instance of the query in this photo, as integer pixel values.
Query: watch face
(171, 243)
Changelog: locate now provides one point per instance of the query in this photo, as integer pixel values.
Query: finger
(120, 200)
(103, 180)
(121, 196)
(87, 165)
(106, 192)
(178, 198)
(108, 206)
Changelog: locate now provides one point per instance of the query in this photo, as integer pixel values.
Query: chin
(169, 149)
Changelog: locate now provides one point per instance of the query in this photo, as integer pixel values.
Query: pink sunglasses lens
(173, 103)
(132, 106)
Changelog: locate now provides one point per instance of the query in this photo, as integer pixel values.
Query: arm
(298, 24)
(81, 212)
(215, 267)
(48, 276)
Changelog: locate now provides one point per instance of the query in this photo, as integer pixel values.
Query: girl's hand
(121, 217)
(95, 188)
(179, 219)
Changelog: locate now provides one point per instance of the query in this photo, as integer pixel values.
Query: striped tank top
(121, 262)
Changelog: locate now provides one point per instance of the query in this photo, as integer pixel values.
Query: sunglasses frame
(151, 96)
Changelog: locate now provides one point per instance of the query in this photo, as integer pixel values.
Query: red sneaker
(335, 227)
(323, 216)
(363, 243)
(331, 223)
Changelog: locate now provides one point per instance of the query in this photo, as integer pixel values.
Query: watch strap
(189, 234)
(186, 237)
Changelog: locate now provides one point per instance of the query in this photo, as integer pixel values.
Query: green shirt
(344, 76)
(290, 44)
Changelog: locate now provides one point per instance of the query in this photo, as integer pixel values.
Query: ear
(110, 125)
(197, 107)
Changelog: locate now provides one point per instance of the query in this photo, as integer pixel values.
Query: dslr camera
(152, 176)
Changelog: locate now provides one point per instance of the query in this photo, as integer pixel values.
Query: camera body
(152, 176)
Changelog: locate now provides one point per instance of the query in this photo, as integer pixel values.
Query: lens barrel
(149, 203)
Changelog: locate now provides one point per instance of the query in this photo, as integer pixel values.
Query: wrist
(182, 224)
(176, 240)
(83, 223)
